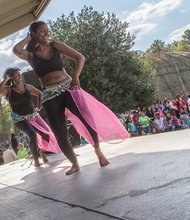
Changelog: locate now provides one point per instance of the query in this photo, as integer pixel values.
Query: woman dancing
(25, 116)
(62, 94)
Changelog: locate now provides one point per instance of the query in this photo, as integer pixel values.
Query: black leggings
(55, 109)
(30, 131)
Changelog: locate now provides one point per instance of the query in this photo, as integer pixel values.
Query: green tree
(6, 125)
(186, 36)
(158, 46)
(112, 73)
(180, 46)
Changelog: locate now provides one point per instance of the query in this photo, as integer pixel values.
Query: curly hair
(10, 71)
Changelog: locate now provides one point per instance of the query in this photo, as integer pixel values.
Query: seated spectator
(160, 123)
(184, 117)
(168, 102)
(158, 104)
(166, 108)
(176, 124)
(121, 119)
(144, 122)
(184, 96)
(23, 139)
(135, 118)
(188, 103)
(160, 111)
(22, 151)
(179, 103)
(131, 127)
(150, 112)
(175, 112)
(169, 119)
(9, 155)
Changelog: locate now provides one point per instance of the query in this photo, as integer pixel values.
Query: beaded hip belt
(52, 91)
(16, 117)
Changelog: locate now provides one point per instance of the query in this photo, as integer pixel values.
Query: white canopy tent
(18, 14)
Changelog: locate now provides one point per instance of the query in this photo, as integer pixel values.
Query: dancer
(25, 116)
(61, 93)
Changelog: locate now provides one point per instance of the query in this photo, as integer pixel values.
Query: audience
(22, 151)
(162, 116)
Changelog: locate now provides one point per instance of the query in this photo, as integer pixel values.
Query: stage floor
(148, 179)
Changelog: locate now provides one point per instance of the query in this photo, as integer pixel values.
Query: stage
(148, 179)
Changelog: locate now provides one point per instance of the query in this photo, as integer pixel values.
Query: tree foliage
(112, 73)
(186, 37)
(183, 45)
(6, 125)
(158, 46)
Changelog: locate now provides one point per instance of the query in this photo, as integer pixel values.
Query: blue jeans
(147, 129)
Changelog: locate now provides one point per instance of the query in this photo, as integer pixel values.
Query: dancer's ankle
(43, 156)
(73, 169)
(103, 161)
(37, 163)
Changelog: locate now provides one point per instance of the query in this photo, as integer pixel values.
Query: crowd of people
(16, 148)
(8, 155)
(162, 116)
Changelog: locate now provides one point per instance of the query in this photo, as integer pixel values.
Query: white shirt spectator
(188, 103)
(159, 122)
(9, 156)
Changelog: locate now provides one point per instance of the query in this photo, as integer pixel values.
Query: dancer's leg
(55, 111)
(70, 104)
(25, 127)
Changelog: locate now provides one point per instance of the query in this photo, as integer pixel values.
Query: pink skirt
(40, 124)
(98, 116)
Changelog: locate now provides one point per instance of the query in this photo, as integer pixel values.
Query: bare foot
(43, 156)
(73, 169)
(102, 159)
(37, 163)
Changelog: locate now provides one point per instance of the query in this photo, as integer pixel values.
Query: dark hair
(33, 27)
(177, 96)
(10, 71)
(157, 113)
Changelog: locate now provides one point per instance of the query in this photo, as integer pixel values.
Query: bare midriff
(54, 78)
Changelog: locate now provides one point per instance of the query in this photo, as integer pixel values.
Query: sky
(148, 20)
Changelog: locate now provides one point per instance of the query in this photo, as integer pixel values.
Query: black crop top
(43, 66)
(21, 103)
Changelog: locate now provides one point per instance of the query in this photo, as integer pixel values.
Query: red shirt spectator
(179, 103)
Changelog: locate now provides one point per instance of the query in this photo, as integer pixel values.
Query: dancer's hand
(38, 109)
(75, 83)
(7, 77)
